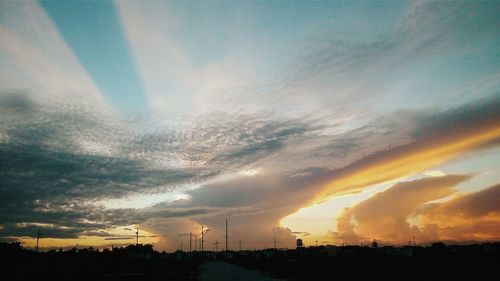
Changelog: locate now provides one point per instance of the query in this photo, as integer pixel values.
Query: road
(221, 271)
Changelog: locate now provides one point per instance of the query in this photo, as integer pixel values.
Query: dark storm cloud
(41, 173)
(48, 177)
(30, 230)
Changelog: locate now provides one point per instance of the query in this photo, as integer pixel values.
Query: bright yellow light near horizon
(126, 235)
(320, 219)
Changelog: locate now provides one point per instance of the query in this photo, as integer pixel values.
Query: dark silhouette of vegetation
(142, 262)
(457, 262)
(134, 262)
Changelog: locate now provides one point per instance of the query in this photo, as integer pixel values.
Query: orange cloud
(473, 216)
(384, 216)
(408, 159)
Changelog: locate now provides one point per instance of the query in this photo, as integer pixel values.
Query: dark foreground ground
(472, 262)
(130, 263)
(223, 271)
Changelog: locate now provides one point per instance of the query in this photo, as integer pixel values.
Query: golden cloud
(409, 159)
(473, 216)
(385, 215)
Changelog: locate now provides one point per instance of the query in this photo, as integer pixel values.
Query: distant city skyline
(336, 122)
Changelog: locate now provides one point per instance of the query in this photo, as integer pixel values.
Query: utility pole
(216, 245)
(137, 237)
(181, 246)
(240, 245)
(190, 240)
(37, 239)
(226, 236)
(202, 238)
(195, 244)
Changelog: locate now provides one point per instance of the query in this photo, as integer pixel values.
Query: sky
(332, 122)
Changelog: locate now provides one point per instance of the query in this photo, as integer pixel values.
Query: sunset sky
(333, 122)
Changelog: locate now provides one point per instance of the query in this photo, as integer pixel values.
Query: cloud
(302, 233)
(51, 179)
(47, 230)
(35, 58)
(119, 238)
(385, 215)
(253, 206)
(437, 138)
(468, 217)
(172, 76)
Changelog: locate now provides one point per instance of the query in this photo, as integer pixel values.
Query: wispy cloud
(35, 58)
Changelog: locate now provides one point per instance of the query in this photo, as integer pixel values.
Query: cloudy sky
(335, 122)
